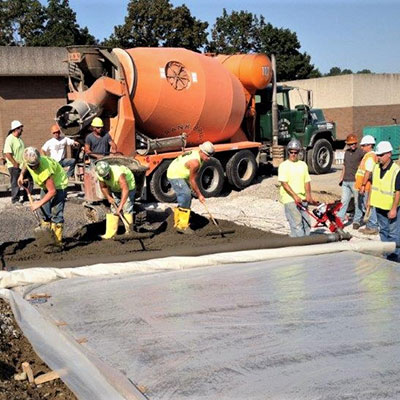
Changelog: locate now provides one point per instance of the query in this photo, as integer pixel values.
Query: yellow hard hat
(97, 123)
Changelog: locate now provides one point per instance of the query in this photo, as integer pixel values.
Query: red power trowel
(325, 215)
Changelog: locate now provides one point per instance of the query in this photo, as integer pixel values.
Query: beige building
(32, 87)
(353, 101)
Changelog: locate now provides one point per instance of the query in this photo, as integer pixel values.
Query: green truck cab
(304, 123)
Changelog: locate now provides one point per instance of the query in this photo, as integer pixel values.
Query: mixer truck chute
(159, 101)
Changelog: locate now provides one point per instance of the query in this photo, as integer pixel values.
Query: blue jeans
(299, 220)
(130, 201)
(182, 191)
(53, 210)
(348, 191)
(362, 204)
(69, 162)
(389, 230)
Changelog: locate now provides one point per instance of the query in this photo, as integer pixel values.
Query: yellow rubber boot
(58, 231)
(176, 216)
(111, 226)
(129, 219)
(45, 224)
(183, 222)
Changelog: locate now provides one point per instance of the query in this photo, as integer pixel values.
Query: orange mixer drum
(179, 91)
(253, 70)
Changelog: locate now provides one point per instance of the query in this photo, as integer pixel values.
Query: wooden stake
(28, 370)
(49, 376)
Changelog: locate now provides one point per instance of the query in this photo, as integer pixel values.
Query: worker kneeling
(182, 174)
(50, 176)
(117, 184)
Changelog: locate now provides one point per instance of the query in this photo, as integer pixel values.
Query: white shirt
(57, 147)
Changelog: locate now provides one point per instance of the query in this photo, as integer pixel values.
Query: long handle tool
(222, 233)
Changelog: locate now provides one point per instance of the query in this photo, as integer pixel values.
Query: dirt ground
(14, 350)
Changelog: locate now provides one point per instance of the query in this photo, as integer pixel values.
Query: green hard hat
(102, 169)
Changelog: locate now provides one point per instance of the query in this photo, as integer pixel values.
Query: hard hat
(368, 139)
(351, 138)
(294, 144)
(97, 122)
(15, 124)
(383, 147)
(102, 168)
(31, 156)
(55, 128)
(207, 148)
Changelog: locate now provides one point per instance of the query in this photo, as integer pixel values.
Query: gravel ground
(257, 206)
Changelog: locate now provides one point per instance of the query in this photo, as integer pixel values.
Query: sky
(353, 34)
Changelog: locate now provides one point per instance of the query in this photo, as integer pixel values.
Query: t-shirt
(352, 160)
(49, 168)
(296, 175)
(57, 147)
(15, 146)
(99, 145)
(115, 173)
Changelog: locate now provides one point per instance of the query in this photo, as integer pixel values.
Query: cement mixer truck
(157, 102)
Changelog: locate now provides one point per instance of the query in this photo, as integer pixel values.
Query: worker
(295, 190)
(56, 149)
(385, 197)
(182, 174)
(118, 186)
(352, 158)
(99, 143)
(13, 151)
(53, 181)
(363, 183)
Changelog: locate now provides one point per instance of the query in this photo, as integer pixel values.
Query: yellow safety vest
(361, 171)
(178, 170)
(115, 173)
(49, 168)
(383, 190)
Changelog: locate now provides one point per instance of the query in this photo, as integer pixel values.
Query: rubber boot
(129, 219)
(111, 226)
(44, 225)
(58, 231)
(176, 216)
(183, 221)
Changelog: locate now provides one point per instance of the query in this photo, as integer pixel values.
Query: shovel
(40, 231)
(222, 233)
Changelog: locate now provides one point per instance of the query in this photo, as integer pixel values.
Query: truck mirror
(257, 99)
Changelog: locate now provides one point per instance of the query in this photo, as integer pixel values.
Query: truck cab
(303, 122)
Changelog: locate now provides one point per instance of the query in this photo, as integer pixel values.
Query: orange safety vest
(361, 171)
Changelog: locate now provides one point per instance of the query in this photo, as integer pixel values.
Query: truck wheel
(160, 187)
(211, 178)
(241, 169)
(320, 157)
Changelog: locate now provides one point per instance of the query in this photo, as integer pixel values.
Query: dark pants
(15, 189)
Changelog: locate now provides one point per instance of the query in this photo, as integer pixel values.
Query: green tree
(21, 22)
(334, 71)
(152, 23)
(61, 28)
(364, 71)
(243, 32)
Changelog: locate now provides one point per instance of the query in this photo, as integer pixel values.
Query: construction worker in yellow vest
(363, 184)
(385, 197)
(50, 176)
(182, 174)
(118, 186)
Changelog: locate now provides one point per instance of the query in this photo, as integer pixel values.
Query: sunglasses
(293, 152)
(56, 132)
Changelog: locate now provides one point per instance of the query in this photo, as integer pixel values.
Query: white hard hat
(31, 156)
(294, 144)
(368, 139)
(383, 147)
(15, 124)
(102, 169)
(207, 148)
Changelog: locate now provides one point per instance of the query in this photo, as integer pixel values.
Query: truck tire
(241, 169)
(320, 157)
(211, 178)
(160, 187)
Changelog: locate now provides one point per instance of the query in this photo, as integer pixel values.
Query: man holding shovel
(53, 181)
(118, 186)
(182, 174)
